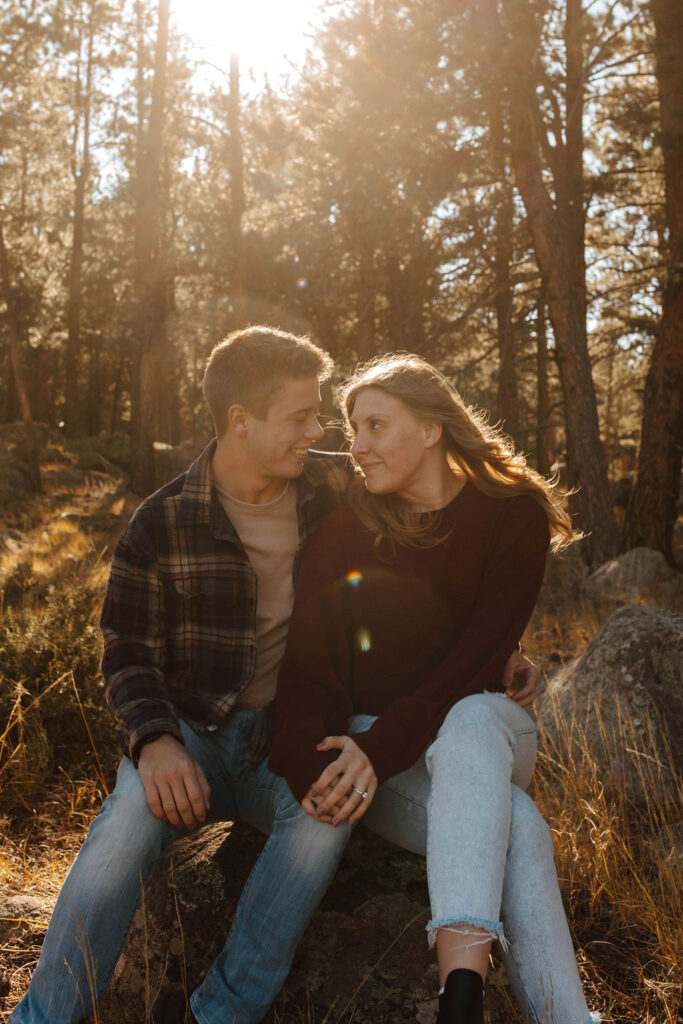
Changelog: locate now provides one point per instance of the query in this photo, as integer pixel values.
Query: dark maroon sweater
(405, 636)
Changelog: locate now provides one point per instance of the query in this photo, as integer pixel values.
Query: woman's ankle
(462, 999)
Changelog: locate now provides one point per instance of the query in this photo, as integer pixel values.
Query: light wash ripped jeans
(489, 852)
(471, 799)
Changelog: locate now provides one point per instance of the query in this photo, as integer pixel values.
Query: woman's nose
(358, 446)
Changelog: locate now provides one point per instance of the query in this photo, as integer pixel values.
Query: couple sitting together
(401, 693)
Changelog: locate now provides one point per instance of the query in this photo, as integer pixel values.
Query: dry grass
(619, 864)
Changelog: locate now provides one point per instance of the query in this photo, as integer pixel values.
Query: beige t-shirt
(270, 535)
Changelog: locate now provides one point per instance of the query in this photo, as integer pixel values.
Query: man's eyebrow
(308, 408)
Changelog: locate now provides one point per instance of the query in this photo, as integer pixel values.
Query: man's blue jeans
(96, 905)
(459, 790)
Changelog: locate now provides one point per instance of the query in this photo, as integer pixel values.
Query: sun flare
(264, 33)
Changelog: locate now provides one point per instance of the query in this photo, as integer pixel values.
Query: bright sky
(263, 32)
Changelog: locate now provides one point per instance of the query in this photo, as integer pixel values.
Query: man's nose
(315, 431)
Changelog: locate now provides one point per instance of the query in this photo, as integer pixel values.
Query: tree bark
(237, 200)
(557, 225)
(81, 172)
(14, 333)
(150, 284)
(545, 431)
(652, 510)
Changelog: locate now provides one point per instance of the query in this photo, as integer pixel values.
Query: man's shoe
(172, 1007)
(462, 999)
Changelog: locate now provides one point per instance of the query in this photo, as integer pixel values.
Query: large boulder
(364, 955)
(640, 575)
(620, 704)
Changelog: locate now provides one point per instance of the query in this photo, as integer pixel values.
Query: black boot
(172, 1007)
(462, 999)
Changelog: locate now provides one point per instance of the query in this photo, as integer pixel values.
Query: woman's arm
(512, 578)
(312, 699)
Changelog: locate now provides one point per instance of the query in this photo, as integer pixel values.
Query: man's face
(278, 445)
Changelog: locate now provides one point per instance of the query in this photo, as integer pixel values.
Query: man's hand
(338, 793)
(175, 785)
(520, 679)
(313, 799)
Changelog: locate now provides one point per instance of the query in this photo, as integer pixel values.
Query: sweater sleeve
(509, 589)
(312, 692)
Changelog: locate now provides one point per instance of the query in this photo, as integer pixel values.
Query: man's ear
(432, 433)
(238, 420)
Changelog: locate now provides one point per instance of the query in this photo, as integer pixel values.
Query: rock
(108, 452)
(639, 575)
(20, 916)
(621, 702)
(364, 954)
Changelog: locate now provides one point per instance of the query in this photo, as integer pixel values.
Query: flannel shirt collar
(198, 494)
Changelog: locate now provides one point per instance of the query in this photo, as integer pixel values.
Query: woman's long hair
(481, 452)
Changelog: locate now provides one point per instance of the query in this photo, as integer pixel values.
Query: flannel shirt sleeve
(134, 637)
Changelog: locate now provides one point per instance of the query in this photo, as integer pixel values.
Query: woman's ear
(433, 433)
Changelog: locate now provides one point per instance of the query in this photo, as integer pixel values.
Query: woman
(409, 603)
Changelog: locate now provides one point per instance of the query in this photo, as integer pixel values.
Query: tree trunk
(545, 431)
(556, 226)
(13, 331)
(150, 285)
(365, 342)
(652, 511)
(81, 171)
(237, 201)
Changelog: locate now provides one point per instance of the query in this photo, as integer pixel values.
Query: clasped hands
(335, 797)
(346, 787)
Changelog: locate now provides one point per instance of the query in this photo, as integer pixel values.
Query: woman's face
(391, 445)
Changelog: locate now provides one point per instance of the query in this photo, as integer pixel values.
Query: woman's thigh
(487, 725)
(398, 811)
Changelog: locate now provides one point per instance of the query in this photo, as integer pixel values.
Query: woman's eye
(375, 424)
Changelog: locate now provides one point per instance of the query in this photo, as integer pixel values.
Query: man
(194, 622)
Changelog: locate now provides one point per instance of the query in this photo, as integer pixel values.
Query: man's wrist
(149, 738)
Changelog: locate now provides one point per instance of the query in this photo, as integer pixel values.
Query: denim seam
(402, 795)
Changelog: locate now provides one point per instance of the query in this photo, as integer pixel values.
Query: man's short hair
(249, 367)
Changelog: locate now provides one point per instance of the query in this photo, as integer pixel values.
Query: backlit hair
(482, 453)
(250, 366)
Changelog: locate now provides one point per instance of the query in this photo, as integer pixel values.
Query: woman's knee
(478, 713)
(473, 730)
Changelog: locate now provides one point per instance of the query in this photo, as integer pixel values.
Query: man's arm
(175, 785)
(134, 630)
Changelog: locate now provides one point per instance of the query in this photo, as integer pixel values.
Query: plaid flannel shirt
(179, 612)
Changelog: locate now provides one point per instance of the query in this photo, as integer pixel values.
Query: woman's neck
(435, 488)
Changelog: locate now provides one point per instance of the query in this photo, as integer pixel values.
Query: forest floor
(620, 865)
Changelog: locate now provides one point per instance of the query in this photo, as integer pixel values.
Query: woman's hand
(339, 792)
(520, 679)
